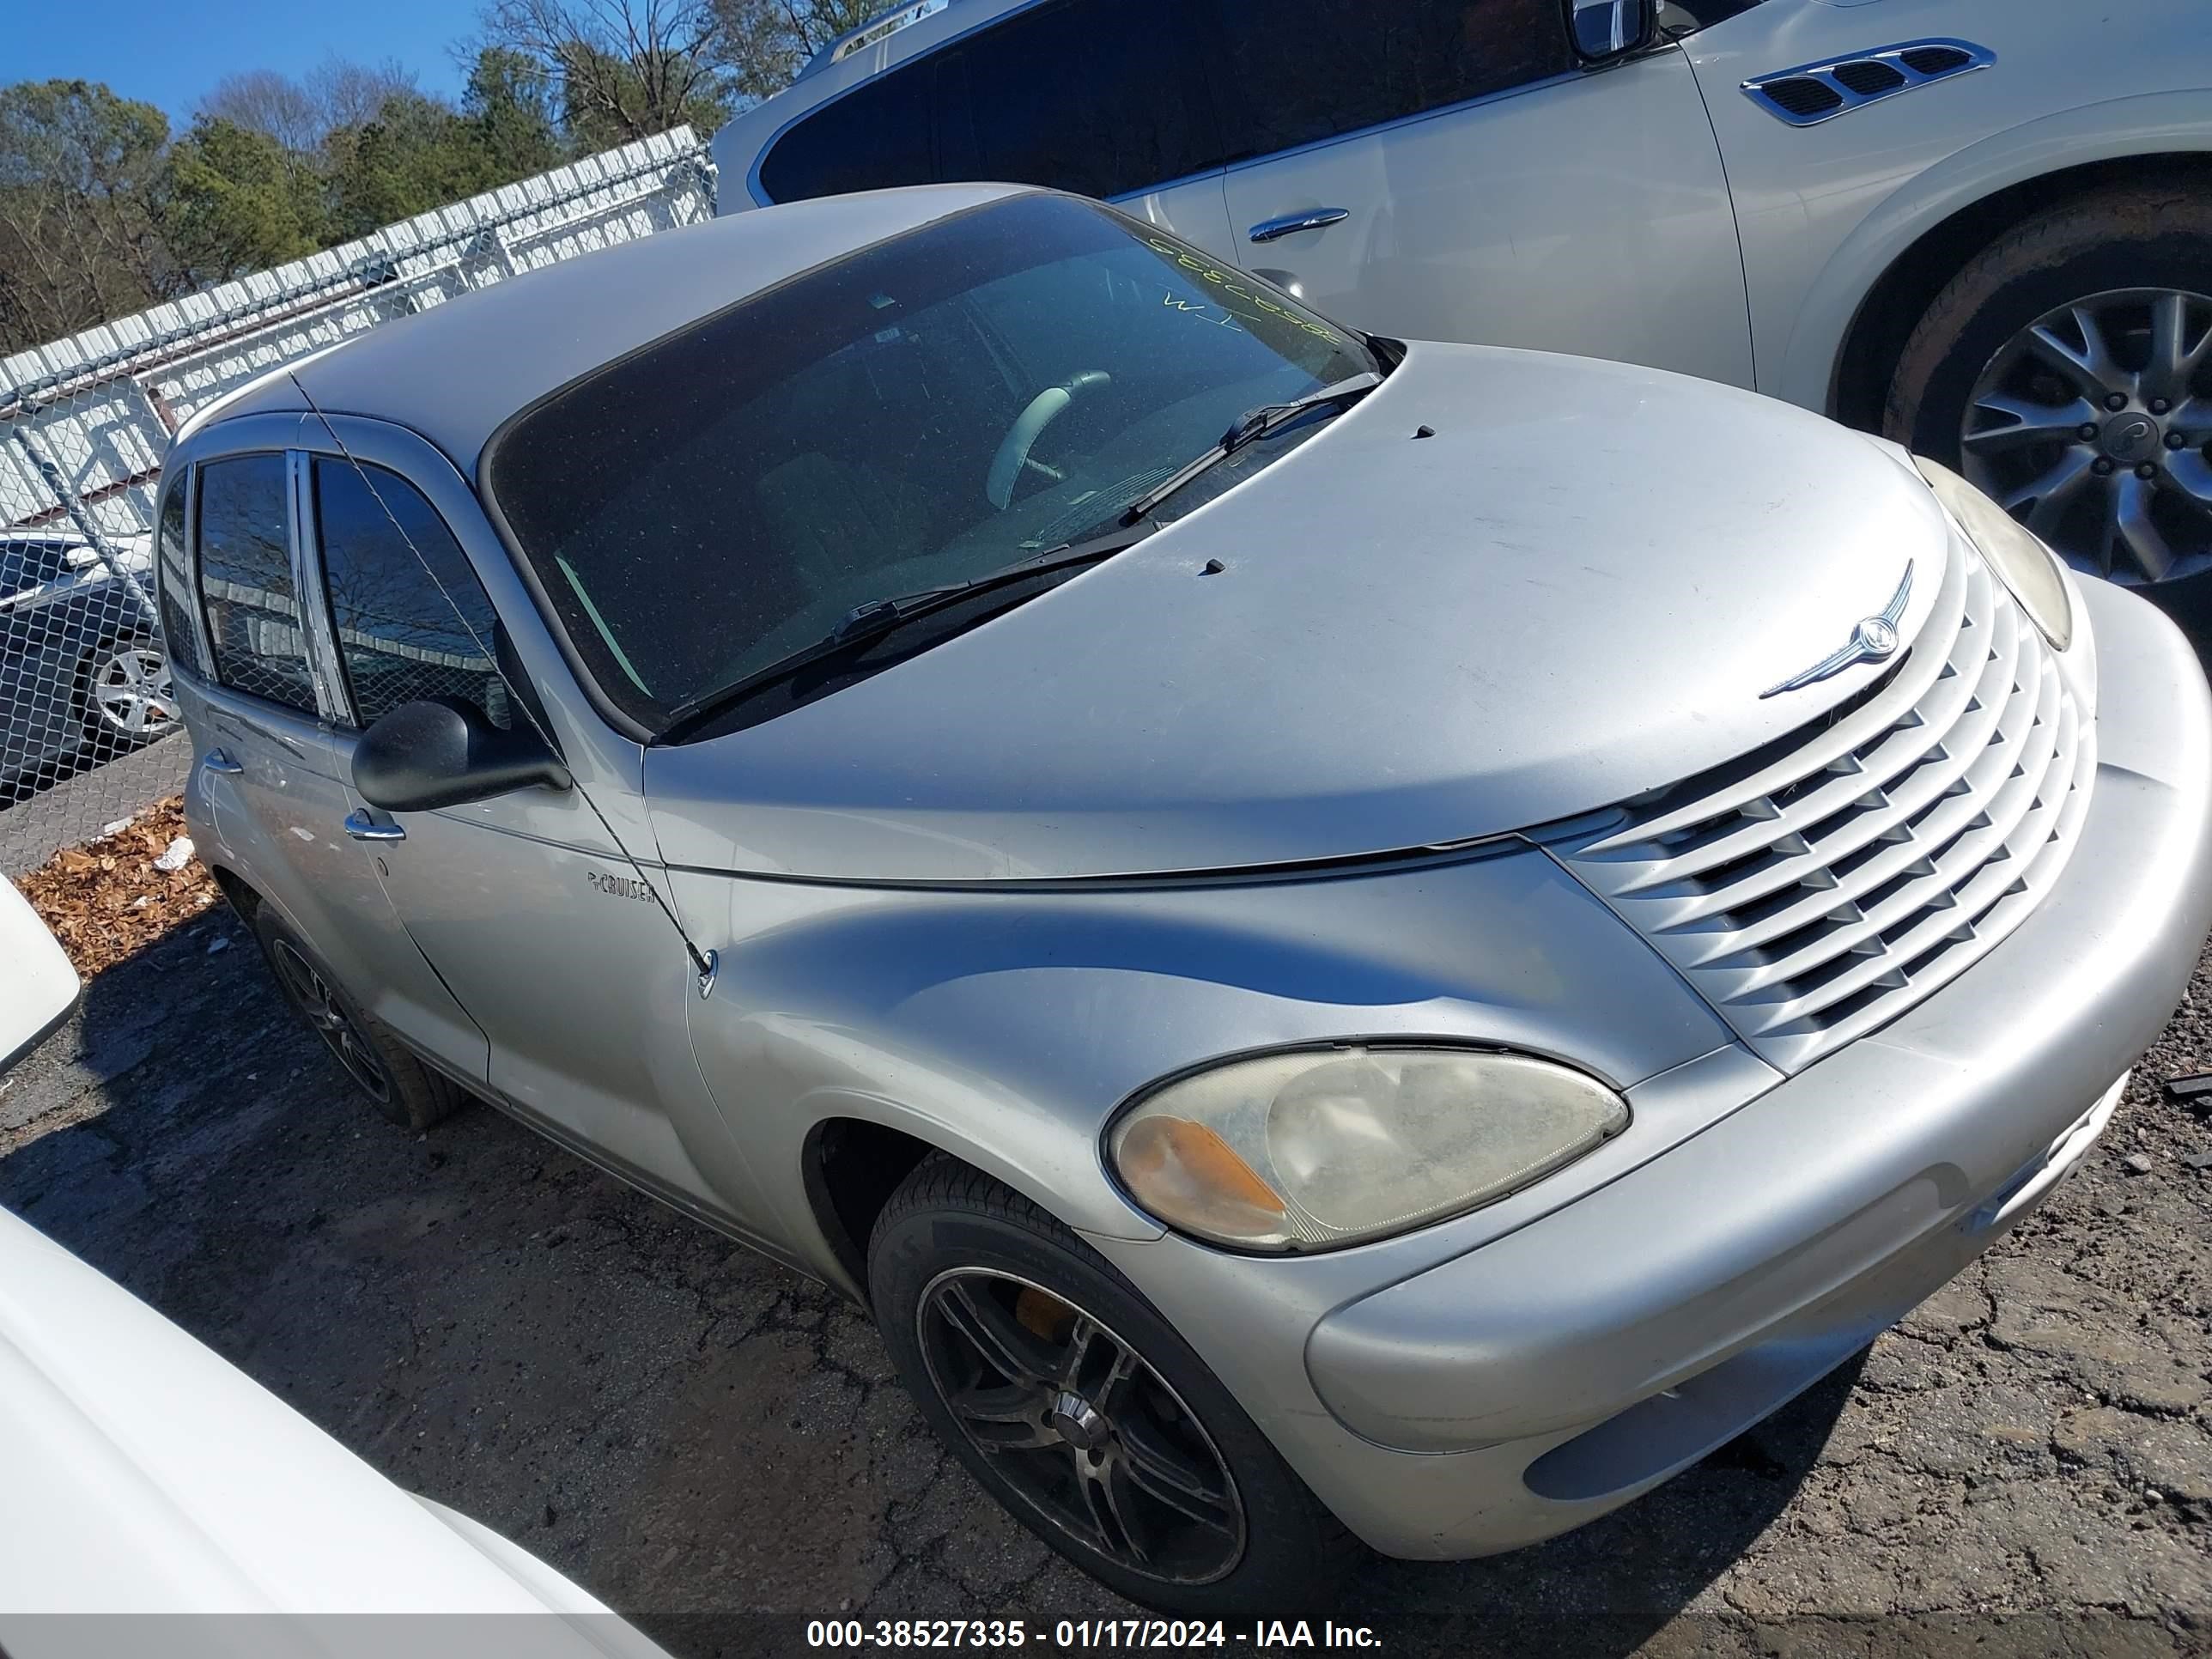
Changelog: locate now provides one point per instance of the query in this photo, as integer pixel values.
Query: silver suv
(1336, 934)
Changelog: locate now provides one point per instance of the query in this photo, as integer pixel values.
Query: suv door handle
(362, 826)
(1269, 230)
(219, 760)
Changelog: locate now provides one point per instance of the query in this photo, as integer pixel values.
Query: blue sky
(171, 51)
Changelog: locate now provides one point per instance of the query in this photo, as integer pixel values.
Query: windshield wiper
(877, 618)
(1251, 426)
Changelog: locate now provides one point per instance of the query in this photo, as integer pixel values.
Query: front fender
(1003, 1023)
(2150, 124)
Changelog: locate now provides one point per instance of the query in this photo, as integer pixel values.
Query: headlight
(2022, 564)
(1314, 1149)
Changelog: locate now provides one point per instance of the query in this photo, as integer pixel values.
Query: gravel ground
(706, 1440)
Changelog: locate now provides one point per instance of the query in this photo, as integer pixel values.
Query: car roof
(456, 371)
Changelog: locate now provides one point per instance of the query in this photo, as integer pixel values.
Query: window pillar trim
(333, 697)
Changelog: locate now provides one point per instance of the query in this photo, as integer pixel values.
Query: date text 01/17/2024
(1262, 1635)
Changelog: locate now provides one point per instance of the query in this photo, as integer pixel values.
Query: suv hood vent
(1813, 92)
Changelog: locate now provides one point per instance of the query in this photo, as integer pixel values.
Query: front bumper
(1523, 1388)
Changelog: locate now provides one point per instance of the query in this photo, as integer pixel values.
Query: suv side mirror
(1605, 29)
(443, 752)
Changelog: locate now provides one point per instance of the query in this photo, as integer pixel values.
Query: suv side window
(173, 581)
(407, 626)
(1313, 68)
(875, 137)
(1099, 97)
(246, 581)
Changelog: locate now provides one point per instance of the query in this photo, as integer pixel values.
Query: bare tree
(351, 94)
(626, 67)
(302, 114)
(766, 42)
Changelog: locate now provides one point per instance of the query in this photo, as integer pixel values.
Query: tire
(2094, 251)
(401, 1088)
(950, 1232)
(134, 671)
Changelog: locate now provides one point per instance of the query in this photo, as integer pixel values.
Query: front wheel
(2067, 372)
(1083, 1412)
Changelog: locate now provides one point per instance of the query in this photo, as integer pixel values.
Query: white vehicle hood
(1576, 590)
(141, 1473)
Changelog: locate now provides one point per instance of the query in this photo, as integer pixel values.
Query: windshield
(929, 411)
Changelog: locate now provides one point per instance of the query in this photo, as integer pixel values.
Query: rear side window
(246, 581)
(1099, 97)
(1301, 70)
(870, 139)
(173, 579)
(407, 626)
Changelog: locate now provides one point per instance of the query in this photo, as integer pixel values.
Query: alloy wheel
(131, 693)
(1081, 1428)
(327, 1012)
(2093, 426)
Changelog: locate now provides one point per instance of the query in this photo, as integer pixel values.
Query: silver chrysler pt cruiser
(1338, 936)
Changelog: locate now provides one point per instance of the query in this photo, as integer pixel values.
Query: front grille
(1830, 883)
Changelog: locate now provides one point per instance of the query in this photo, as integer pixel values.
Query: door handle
(1269, 230)
(362, 826)
(218, 761)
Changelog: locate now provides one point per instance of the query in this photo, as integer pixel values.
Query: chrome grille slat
(1971, 735)
(1815, 894)
(1923, 670)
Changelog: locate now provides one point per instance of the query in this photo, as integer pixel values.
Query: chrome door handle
(219, 760)
(1269, 230)
(362, 826)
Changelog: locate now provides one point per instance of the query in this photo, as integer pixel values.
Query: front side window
(173, 579)
(411, 619)
(938, 408)
(1299, 71)
(246, 581)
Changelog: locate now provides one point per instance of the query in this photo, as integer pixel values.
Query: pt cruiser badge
(1874, 640)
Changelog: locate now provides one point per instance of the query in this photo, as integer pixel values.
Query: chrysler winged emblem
(1874, 638)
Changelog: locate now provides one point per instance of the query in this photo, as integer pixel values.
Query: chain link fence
(85, 700)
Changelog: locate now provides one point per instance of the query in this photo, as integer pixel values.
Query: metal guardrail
(84, 693)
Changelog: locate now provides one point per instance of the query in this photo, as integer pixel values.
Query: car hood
(1576, 588)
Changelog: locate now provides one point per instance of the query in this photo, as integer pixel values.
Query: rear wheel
(1083, 1412)
(2067, 371)
(399, 1086)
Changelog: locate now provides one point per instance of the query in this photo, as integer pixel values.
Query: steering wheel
(1013, 456)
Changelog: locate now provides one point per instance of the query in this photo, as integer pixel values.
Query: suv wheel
(1081, 1410)
(399, 1086)
(2067, 371)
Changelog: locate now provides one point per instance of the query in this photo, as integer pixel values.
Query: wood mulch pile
(108, 899)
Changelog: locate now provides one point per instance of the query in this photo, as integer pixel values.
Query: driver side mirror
(444, 751)
(1606, 29)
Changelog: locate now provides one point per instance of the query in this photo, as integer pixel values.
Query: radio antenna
(707, 963)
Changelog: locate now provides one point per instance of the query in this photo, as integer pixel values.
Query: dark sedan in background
(83, 673)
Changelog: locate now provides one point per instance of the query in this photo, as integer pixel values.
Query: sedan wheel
(129, 695)
(2093, 427)
(1077, 1406)
(327, 1013)
(1089, 1435)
